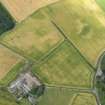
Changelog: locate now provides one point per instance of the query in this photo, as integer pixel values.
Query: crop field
(65, 96)
(12, 74)
(21, 10)
(101, 3)
(7, 61)
(59, 41)
(7, 99)
(85, 99)
(34, 37)
(60, 69)
(52, 96)
(86, 28)
(6, 21)
(57, 96)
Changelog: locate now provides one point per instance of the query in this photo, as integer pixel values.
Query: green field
(85, 99)
(82, 21)
(8, 59)
(34, 37)
(57, 96)
(101, 3)
(12, 74)
(64, 96)
(65, 67)
(7, 99)
(63, 41)
(52, 96)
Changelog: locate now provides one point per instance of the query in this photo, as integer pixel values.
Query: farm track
(83, 90)
(66, 38)
(94, 91)
(44, 57)
(79, 90)
(91, 90)
(72, 88)
(14, 51)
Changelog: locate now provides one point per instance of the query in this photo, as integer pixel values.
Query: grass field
(58, 40)
(34, 37)
(57, 96)
(65, 67)
(7, 60)
(12, 74)
(85, 99)
(21, 10)
(64, 96)
(101, 3)
(86, 28)
(6, 21)
(7, 99)
(52, 96)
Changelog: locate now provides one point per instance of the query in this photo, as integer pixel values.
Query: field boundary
(66, 38)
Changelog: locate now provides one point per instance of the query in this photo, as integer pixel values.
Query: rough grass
(83, 22)
(65, 67)
(12, 74)
(101, 3)
(85, 99)
(56, 96)
(21, 10)
(64, 96)
(34, 37)
(8, 99)
(7, 60)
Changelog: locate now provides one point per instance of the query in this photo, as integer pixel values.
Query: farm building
(27, 86)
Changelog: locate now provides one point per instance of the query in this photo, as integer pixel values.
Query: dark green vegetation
(101, 91)
(38, 91)
(100, 81)
(103, 64)
(6, 21)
